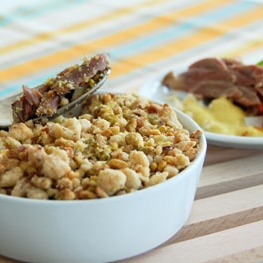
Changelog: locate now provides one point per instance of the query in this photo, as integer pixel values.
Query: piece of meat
(49, 105)
(174, 82)
(249, 97)
(212, 78)
(214, 89)
(196, 75)
(25, 106)
(76, 76)
(232, 62)
(33, 96)
(215, 64)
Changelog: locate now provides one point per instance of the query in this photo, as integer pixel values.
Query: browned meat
(249, 96)
(33, 95)
(212, 78)
(195, 76)
(209, 64)
(231, 62)
(26, 106)
(214, 89)
(47, 98)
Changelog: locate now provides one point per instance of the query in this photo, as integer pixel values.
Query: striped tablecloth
(145, 38)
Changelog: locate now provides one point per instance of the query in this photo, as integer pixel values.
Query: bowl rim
(200, 157)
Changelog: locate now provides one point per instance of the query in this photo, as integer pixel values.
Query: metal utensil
(71, 109)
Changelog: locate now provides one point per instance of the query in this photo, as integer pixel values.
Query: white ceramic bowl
(101, 230)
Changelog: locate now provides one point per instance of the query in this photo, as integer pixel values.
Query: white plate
(154, 90)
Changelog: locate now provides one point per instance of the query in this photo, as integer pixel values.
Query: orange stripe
(79, 50)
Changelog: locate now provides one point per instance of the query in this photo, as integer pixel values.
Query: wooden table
(226, 223)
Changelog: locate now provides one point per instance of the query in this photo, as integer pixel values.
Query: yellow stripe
(157, 23)
(172, 48)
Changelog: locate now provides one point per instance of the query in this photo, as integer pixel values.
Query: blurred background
(143, 37)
